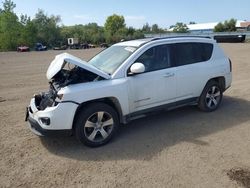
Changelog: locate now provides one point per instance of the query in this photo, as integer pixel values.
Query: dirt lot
(181, 148)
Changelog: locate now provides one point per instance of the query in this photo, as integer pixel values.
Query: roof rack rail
(180, 36)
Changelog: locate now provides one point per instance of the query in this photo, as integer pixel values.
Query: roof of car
(135, 43)
(140, 42)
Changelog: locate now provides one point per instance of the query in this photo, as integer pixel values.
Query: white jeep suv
(126, 81)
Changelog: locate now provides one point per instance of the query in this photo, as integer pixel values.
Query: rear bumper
(228, 80)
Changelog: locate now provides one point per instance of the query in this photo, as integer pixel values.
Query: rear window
(191, 52)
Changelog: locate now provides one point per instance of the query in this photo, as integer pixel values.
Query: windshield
(111, 58)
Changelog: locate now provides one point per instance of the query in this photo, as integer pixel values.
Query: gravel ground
(180, 148)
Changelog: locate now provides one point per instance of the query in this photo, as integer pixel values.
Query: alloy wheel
(213, 97)
(98, 126)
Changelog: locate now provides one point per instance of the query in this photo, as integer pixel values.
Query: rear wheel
(211, 97)
(96, 124)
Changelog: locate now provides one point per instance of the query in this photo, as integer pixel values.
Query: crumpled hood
(57, 64)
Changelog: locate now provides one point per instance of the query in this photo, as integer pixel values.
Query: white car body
(131, 94)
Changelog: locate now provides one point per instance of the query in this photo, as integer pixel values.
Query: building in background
(244, 26)
(207, 30)
(209, 27)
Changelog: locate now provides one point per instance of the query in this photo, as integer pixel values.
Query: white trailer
(73, 43)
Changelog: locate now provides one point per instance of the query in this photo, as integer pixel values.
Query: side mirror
(137, 68)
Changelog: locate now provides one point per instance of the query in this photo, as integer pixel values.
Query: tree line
(43, 28)
(227, 26)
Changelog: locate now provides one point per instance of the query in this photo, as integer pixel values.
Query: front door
(157, 85)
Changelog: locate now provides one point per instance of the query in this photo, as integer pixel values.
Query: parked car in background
(84, 46)
(63, 47)
(40, 47)
(92, 46)
(23, 49)
(127, 81)
(104, 45)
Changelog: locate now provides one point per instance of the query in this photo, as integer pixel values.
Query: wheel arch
(111, 101)
(220, 80)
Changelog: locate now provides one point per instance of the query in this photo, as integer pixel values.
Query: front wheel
(96, 124)
(211, 97)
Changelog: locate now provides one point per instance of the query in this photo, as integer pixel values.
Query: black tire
(211, 97)
(96, 124)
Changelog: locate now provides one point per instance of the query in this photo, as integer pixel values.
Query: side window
(189, 53)
(155, 58)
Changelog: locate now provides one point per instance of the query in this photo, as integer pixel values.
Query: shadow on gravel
(240, 175)
(144, 138)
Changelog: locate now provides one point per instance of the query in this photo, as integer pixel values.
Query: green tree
(114, 23)
(219, 27)
(16, 31)
(93, 33)
(180, 28)
(129, 32)
(8, 6)
(146, 28)
(9, 26)
(90, 33)
(48, 31)
(28, 34)
(138, 34)
(227, 26)
(155, 28)
(114, 27)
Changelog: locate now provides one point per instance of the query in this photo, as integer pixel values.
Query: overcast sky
(138, 12)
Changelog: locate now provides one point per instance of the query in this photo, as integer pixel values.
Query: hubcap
(98, 126)
(213, 97)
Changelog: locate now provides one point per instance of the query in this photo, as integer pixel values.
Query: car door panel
(152, 89)
(157, 85)
(189, 80)
(192, 66)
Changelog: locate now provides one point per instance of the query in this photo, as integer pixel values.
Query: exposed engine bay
(68, 75)
(72, 74)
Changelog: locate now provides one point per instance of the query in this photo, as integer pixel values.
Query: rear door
(192, 62)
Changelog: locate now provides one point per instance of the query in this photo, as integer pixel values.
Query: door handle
(169, 74)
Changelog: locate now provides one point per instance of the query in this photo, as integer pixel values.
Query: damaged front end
(47, 99)
(46, 109)
(63, 71)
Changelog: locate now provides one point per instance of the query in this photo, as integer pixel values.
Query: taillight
(230, 64)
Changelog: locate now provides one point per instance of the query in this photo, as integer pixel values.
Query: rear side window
(191, 52)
